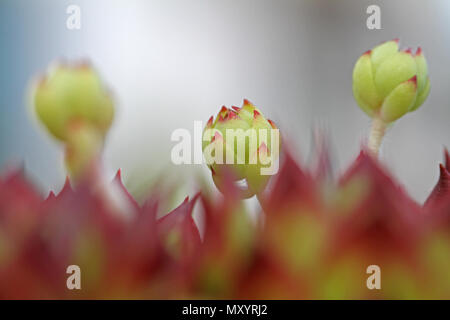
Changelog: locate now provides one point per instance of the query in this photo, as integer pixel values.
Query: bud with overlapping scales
(389, 83)
(241, 142)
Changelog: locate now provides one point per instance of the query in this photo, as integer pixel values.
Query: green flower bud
(76, 109)
(388, 83)
(241, 142)
(73, 94)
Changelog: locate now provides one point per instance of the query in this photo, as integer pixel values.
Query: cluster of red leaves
(313, 240)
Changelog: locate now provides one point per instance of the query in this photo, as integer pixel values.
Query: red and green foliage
(306, 244)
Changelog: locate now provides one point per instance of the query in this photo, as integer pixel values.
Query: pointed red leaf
(383, 217)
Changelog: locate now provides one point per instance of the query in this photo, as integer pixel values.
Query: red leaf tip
(408, 51)
(51, 195)
(118, 174)
(442, 189)
(444, 179)
(247, 102)
(272, 124)
(66, 188)
(419, 51)
(232, 115)
(67, 183)
(210, 122)
(447, 159)
(414, 80)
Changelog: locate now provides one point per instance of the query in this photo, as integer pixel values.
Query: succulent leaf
(399, 101)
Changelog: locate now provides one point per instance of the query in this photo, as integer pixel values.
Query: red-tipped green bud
(76, 109)
(388, 83)
(242, 143)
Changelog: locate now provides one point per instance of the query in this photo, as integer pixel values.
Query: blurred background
(171, 62)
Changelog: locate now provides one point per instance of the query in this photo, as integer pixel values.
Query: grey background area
(171, 62)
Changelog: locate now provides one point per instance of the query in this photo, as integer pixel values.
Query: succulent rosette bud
(388, 83)
(76, 109)
(242, 144)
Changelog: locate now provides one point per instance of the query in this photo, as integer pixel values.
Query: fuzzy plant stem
(376, 135)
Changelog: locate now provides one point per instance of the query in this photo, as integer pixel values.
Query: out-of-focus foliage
(306, 244)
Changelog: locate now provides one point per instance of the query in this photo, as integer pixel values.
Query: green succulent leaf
(399, 101)
(363, 84)
(394, 70)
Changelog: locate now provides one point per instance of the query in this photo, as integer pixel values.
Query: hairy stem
(376, 135)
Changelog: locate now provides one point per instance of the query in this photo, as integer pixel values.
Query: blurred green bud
(76, 109)
(388, 83)
(243, 143)
(71, 94)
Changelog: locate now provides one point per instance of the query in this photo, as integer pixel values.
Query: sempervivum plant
(241, 143)
(308, 247)
(388, 83)
(310, 243)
